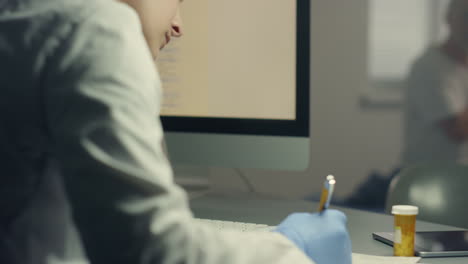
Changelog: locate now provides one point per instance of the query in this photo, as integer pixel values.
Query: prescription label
(397, 235)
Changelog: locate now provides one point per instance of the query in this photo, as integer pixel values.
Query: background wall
(347, 140)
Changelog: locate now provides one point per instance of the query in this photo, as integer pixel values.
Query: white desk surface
(361, 224)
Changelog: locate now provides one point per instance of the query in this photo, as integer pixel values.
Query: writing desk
(270, 211)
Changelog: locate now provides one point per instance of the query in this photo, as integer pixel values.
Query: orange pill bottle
(404, 229)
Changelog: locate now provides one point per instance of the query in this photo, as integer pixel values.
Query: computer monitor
(236, 85)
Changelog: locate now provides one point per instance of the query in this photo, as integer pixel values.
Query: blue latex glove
(322, 236)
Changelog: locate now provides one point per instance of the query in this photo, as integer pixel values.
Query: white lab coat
(83, 169)
(437, 89)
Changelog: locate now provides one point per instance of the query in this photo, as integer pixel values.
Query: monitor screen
(236, 85)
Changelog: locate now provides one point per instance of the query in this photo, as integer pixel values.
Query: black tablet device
(433, 243)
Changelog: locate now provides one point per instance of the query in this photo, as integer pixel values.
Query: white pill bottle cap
(405, 210)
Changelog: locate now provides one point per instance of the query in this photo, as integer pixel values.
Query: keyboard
(240, 226)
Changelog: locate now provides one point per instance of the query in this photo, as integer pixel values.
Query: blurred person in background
(435, 109)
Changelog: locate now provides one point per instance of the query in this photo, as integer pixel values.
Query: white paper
(371, 259)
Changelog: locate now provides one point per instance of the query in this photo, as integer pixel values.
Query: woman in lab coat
(84, 178)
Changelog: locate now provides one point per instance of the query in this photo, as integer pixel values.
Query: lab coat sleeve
(102, 113)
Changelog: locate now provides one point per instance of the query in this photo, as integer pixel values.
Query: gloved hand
(322, 236)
